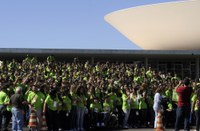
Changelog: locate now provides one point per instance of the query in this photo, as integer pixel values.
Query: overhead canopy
(164, 26)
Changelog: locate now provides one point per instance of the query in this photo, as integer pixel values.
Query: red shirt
(184, 95)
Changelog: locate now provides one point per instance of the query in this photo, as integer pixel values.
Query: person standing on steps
(184, 91)
(17, 102)
(157, 104)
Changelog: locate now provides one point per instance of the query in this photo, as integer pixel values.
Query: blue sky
(63, 24)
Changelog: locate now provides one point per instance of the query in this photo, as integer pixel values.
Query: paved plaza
(136, 129)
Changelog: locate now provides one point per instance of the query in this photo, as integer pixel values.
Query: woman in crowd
(196, 107)
(81, 103)
(126, 105)
(65, 112)
(143, 105)
(133, 119)
(157, 103)
(74, 100)
(51, 105)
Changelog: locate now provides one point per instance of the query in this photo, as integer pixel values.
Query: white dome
(164, 26)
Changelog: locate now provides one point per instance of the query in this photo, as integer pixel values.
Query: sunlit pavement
(146, 129)
(136, 129)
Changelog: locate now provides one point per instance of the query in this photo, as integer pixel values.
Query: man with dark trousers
(3, 106)
(184, 91)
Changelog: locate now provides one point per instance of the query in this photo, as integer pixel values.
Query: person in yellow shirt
(81, 103)
(95, 111)
(50, 108)
(36, 101)
(126, 106)
(64, 113)
(196, 107)
(3, 105)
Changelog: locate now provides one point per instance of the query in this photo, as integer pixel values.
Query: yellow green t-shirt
(36, 99)
(8, 107)
(96, 107)
(52, 103)
(106, 107)
(67, 101)
(81, 101)
(125, 102)
(3, 96)
(195, 101)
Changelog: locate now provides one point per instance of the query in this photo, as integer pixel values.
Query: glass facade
(183, 67)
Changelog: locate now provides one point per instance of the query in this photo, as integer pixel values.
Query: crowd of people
(80, 95)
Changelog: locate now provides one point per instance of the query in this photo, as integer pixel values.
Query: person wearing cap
(184, 91)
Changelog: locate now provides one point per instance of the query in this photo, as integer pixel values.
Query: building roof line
(96, 51)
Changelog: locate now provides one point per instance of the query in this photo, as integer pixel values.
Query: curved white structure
(164, 26)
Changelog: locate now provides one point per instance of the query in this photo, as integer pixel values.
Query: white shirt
(157, 101)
